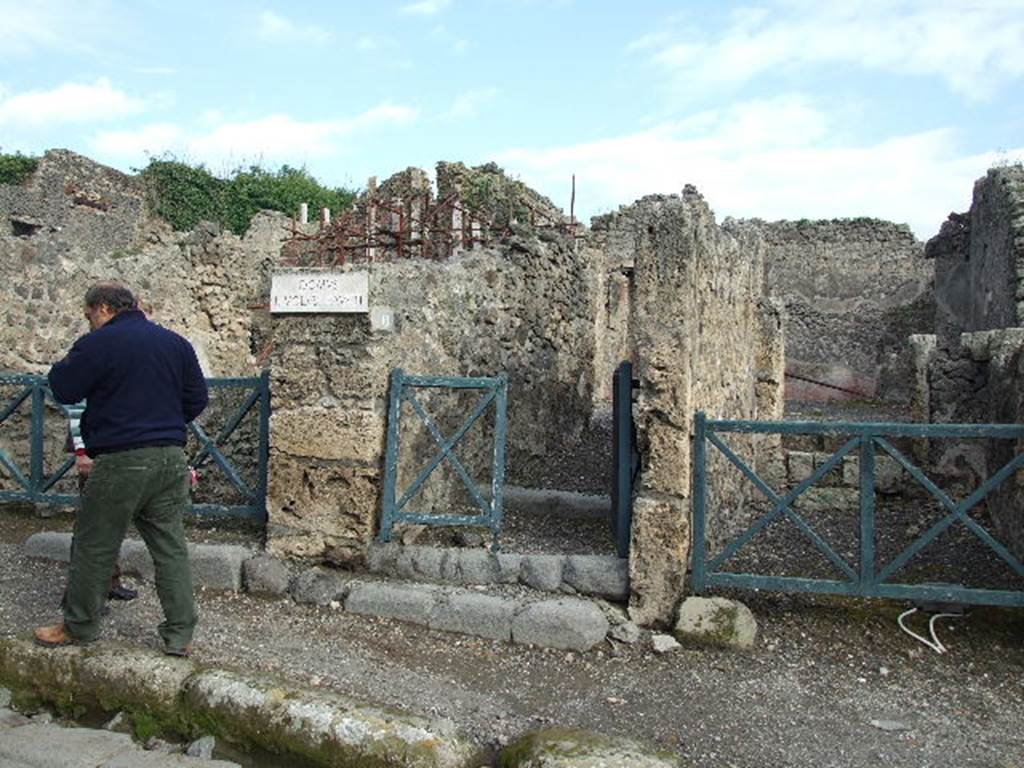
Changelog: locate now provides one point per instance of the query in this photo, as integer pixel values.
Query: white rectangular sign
(326, 292)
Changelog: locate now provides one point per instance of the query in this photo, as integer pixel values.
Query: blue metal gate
(403, 391)
(39, 486)
(866, 578)
(625, 458)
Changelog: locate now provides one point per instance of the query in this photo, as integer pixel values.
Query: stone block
(598, 575)
(422, 563)
(799, 466)
(296, 721)
(543, 572)
(324, 499)
(50, 545)
(415, 603)
(296, 377)
(382, 557)
(575, 625)
(716, 621)
(320, 586)
(509, 568)
(816, 499)
(890, 476)
(135, 559)
(659, 554)
(477, 566)
(851, 471)
(213, 566)
(569, 748)
(343, 432)
(218, 566)
(471, 613)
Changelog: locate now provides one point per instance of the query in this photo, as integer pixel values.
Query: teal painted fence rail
(37, 485)
(867, 577)
(403, 390)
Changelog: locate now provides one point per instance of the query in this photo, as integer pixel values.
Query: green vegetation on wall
(184, 194)
(14, 169)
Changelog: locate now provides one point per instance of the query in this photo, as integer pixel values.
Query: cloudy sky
(787, 109)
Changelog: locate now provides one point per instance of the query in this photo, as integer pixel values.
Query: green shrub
(183, 194)
(14, 169)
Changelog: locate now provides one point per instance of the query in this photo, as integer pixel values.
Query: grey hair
(114, 295)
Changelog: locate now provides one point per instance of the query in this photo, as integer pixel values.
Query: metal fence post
(264, 444)
(36, 464)
(867, 513)
(498, 477)
(391, 455)
(699, 499)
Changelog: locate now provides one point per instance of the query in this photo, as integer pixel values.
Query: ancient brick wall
(854, 289)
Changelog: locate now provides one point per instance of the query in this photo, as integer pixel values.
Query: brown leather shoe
(182, 652)
(54, 636)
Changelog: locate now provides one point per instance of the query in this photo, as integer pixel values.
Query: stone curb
(214, 566)
(564, 622)
(321, 727)
(572, 748)
(567, 623)
(592, 575)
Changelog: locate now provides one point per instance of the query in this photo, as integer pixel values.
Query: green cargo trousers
(147, 486)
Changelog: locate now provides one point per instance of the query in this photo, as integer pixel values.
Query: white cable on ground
(934, 643)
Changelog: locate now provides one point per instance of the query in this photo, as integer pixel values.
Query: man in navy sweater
(143, 384)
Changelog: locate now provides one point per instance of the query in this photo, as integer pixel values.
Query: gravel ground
(830, 683)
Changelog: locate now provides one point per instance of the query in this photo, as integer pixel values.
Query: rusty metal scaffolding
(399, 228)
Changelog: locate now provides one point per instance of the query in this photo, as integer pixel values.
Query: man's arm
(73, 378)
(194, 396)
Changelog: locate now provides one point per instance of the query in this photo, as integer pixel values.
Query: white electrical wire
(934, 643)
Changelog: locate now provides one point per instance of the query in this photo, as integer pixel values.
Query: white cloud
(425, 7)
(467, 105)
(276, 28)
(974, 45)
(68, 103)
(789, 171)
(151, 140)
(272, 138)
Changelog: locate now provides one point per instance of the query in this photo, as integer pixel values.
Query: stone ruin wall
(972, 370)
(854, 289)
(703, 339)
(522, 305)
(75, 222)
(534, 303)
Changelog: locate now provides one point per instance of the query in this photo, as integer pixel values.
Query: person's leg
(111, 496)
(160, 521)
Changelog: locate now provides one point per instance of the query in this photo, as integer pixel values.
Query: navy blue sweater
(142, 384)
